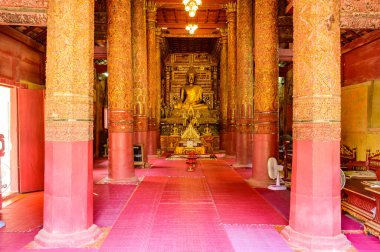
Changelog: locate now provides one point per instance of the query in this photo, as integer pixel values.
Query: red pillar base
(152, 142)
(120, 156)
(242, 149)
(260, 183)
(264, 147)
(64, 240)
(124, 181)
(305, 242)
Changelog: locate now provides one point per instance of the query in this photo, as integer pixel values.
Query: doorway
(9, 176)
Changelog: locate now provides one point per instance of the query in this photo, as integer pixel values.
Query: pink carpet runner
(186, 211)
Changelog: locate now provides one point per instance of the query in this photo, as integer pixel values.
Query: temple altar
(190, 108)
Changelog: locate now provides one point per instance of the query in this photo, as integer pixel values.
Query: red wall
(19, 61)
(361, 64)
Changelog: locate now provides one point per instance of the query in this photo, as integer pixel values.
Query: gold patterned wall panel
(178, 64)
(69, 71)
(316, 70)
(120, 80)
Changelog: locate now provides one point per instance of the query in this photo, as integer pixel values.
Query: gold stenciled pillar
(158, 86)
(140, 74)
(231, 23)
(168, 70)
(151, 12)
(244, 104)
(120, 97)
(68, 195)
(316, 129)
(265, 143)
(223, 89)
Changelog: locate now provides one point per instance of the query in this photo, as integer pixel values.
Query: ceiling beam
(200, 25)
(363, 40)
(13, 33)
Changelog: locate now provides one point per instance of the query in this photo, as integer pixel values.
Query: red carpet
(252, 238)
(184, 211)
(211, 209)
(109, 200)
(229, 189)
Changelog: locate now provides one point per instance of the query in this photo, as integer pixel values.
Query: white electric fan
(274, 173)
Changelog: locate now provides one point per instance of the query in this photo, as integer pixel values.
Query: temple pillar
(244, 108)
(215, 85)
(167, 84)
(265, 138)
(223, 90)
(68, 203)
(120, 97)
(140, 75)
(231, 63)
(151, 12)
(315, 211)
(158, 88)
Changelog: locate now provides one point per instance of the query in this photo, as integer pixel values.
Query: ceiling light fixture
(191, 6)
(191, 28)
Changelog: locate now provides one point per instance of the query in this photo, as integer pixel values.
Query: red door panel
(31, 139)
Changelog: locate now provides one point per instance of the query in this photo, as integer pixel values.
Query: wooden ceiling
(210, 17)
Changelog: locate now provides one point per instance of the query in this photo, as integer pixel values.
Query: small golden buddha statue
(175, 130)
(207, 131)
(191, 94)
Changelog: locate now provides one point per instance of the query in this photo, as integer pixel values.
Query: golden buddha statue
(191, 94)
(175, 130)
(207, 131)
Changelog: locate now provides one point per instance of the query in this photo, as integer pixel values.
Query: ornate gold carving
(120, 81)
(231, 63)
(140, 123)
(317, 131)
(69, 90)
(244, 66)
(317, 109)
(266, 67)
(25, 3)
(231, 8)
(223, 79)
(360, 14)
(120, 121)
(316, 70)
(265, 123)
(151, 11)
(23, 18)
(140, 65)
(158, 72)
(167, 84)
